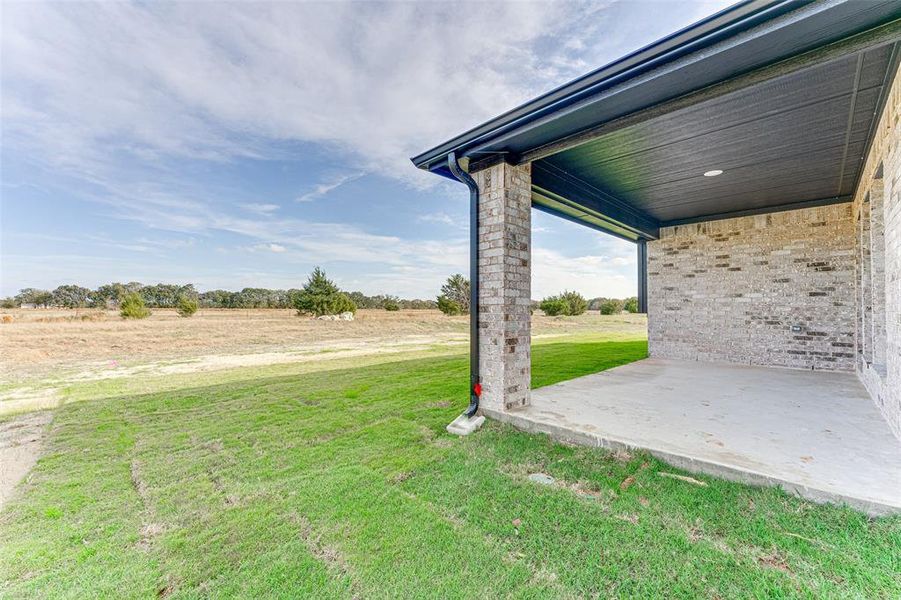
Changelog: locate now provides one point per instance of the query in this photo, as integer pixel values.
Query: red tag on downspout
(477, 390)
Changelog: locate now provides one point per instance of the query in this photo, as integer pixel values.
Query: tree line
(454, 300)
(318, 296)
(573, 303)
(165, 295)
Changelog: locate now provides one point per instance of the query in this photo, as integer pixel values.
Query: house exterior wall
(774, 289)
(732, 290)
(505, 284)
(877, 213)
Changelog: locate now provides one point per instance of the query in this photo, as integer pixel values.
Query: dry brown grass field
(37, 340)
(87, 344)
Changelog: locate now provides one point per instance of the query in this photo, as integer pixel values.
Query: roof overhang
(782, 96)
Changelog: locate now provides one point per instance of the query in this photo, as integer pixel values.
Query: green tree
(164, 295)
(320, 296)
(391, 304)
(132, 306)
(456, 289)
(553, 306)
(343, 304)
(186, 306)
(34, 296)
(576, 304)
(567, 303)
(107, 294)
(448, 306)
(418, 304)
(611, 307)
(71, 296)
(217, 299)
(631, 304)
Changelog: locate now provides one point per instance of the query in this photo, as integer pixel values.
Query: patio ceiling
(790, 140)
(780, 96)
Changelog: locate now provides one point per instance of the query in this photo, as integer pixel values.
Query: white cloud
(324, 241)
(260, 208)
(590, 275)
(88, 83)
(141, 244)
(118, 95)
(277, 248)
(321, 189)
(390, 263)
(441, 218)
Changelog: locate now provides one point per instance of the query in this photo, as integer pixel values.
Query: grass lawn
(342, 483)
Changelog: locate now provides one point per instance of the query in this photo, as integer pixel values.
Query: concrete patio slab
(814, 433)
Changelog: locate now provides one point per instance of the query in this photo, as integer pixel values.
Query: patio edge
(692, 464)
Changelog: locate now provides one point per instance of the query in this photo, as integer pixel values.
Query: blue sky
(234, 145)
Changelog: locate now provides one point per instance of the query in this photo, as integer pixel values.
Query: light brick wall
(864, 283)
(505, 263)
(877, 273)
(877, 208)
(732, 290)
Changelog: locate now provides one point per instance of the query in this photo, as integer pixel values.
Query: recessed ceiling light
(713, 173)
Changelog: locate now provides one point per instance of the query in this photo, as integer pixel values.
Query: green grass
(342, 483)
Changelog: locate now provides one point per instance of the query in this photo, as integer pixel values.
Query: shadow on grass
(556, 362)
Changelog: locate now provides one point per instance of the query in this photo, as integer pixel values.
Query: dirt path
(20, 446)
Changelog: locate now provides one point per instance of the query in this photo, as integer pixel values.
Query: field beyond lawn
(50, 355)
(341, 482)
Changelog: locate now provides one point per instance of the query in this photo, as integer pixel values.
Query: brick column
(505, 280)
